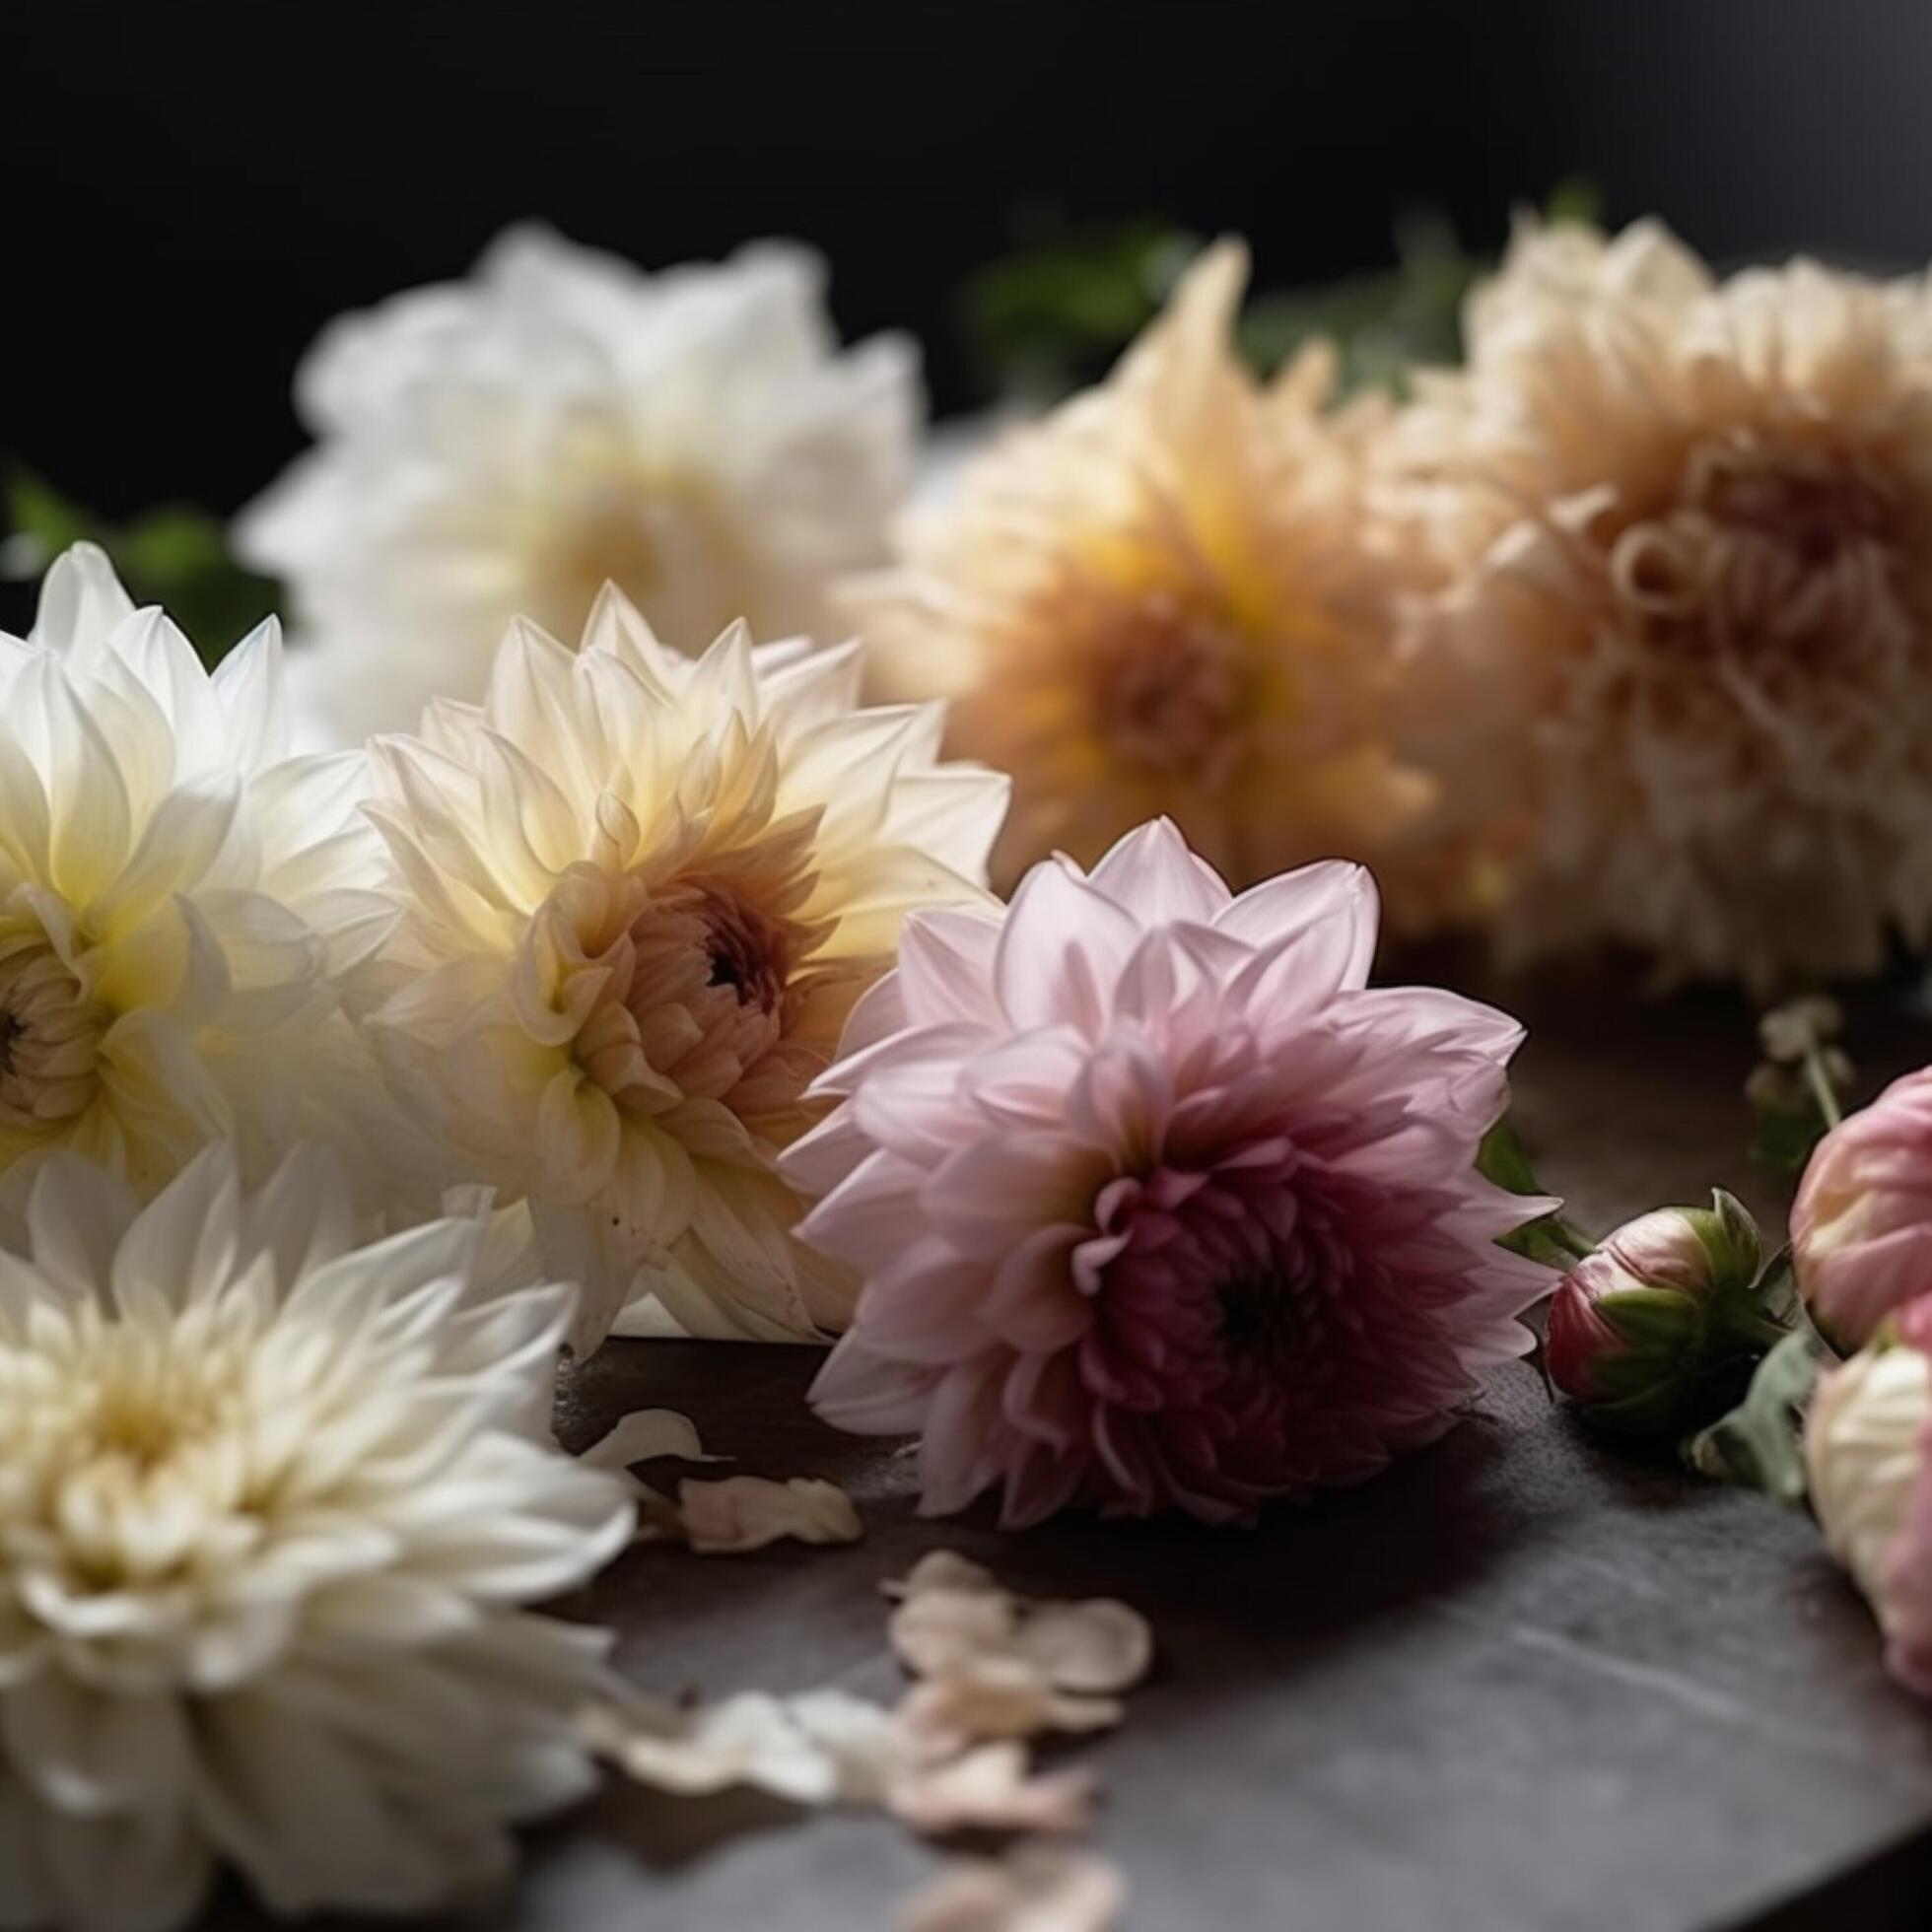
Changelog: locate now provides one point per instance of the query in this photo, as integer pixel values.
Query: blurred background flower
(1676, 669)
(1746, 808)
(1158, 600)
(506, 446)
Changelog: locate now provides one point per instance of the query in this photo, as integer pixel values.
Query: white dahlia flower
(640, 894)
(501, 447)
(177, 900)
(271, 1506)
(1675, 677)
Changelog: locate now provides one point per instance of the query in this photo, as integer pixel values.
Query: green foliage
(1761, 1442)
(174, 555)
(1549, 1239)
(1051, 315)
(1789, 1122)
(1382, 325)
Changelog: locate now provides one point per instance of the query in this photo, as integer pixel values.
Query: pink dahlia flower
(1156, 1203)
(1861, 1226)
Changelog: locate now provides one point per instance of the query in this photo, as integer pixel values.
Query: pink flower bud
(1861, 1228)
(1640, 1330)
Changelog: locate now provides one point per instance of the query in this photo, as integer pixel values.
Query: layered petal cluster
(270, 1509)
(1160, 601)
(1156, 1203)
(1672, 673)
(639, 893)
(1868, 1461)
(1861, 1226)
(179, 901)
(504, 445)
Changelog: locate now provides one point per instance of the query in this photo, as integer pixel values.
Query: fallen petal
(1098, 1647)
(941, 1631)
(942, 1569)
(746, 1512)
(1034, 1888)
(990, 1789)
(646, 1433)
(995, 1697)
(748, 1739)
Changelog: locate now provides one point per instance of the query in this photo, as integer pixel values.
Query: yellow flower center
(125, 1446)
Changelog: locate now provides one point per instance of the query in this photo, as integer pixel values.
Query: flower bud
(1870, 1479)
(1861, 1228)
(1639, 1329)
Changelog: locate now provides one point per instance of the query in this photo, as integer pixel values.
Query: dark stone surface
(1524, 1681)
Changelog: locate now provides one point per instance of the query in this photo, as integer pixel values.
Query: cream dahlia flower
(501, 447)
(1868, 1462)
(270, 1509)
(1676, 672)
(1158, 600)
(177, 901)
(640, 894)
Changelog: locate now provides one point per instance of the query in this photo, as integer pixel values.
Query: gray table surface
(1522, 1681)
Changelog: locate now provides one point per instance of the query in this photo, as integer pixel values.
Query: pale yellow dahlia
(1675, 675)
(1156, 600)
(639, 893)
(179, 900)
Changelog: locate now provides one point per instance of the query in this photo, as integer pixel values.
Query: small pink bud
(1861, 1228)
(1644, 1329)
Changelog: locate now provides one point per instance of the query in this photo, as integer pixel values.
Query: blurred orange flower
(1158, 600)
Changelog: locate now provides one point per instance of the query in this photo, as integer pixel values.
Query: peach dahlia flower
(1158, 1205)
(1675, 671)
(1158, 600)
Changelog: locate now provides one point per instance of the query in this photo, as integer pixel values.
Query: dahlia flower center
(50, 1034)
(1169, 688)
(608, 539)
(124, 1453)
(1778, 546)
(707, 984)
(1222, 1282)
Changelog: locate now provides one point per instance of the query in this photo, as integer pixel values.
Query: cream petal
(82, 602)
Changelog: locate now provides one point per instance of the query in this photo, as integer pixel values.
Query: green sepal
(1729, 1237)
(1761, 1442)
(1549, 1239)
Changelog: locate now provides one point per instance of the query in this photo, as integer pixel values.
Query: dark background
(192, 189)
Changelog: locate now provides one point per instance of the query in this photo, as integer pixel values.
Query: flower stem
(1821, 1086)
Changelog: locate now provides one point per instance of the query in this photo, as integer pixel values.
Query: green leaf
(1053, 314)
(1576, 198)
(1501, 1157)
(1785, 1137)
(176, 556)
(1759, 1443)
